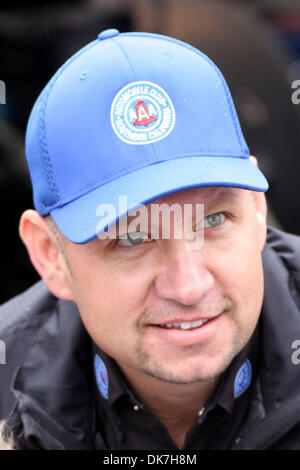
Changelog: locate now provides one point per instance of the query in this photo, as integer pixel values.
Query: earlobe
(45, 254)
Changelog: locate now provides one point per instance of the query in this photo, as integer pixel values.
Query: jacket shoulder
(286, 248)
(25, 307)
(20, 320)
(286, 245)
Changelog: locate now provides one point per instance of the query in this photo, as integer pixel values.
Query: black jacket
(46, 383)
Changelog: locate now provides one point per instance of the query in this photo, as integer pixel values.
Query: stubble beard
(158, 370)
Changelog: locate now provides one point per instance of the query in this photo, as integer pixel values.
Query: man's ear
(261, 209)
(45, 254)
(253, 160)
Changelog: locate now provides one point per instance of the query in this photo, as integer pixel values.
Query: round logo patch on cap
(242, 379)
(142, 113)
(101, 376)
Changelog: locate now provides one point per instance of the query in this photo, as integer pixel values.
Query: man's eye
(133, 238)
(214, 219)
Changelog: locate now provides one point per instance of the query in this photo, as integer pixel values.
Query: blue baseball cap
(138, 115)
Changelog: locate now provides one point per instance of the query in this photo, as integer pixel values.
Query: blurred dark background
(256, 44)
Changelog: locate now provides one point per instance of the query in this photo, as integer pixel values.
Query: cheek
(239, 273)
(240, 278)
(111, 298)
(247, 282)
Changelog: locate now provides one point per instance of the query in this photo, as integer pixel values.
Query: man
(138, 336)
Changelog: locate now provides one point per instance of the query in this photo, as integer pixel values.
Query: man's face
(138, 301)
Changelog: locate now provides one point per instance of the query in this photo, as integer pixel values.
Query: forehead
(207, 195)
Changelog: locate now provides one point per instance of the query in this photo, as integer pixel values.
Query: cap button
(108, 33)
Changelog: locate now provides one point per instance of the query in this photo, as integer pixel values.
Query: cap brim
(79, 222)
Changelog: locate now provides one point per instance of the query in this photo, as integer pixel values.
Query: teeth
(186, 325)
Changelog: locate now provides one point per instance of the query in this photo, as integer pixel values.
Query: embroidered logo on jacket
(242, 379)
(101, 376)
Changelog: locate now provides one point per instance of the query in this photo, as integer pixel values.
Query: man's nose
(183, 275)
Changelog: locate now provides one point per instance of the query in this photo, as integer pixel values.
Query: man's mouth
(185, 325)
(181, 332)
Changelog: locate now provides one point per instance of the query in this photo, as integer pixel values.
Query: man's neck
(175, 405)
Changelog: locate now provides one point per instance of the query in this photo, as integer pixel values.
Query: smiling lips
(186, 333)
(185, 325)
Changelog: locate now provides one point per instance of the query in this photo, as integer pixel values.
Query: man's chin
(188, 365)
(203, 371)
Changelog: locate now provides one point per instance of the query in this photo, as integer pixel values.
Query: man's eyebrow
(224, 197)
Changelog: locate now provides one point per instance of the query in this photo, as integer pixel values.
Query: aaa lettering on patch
(142, 113)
